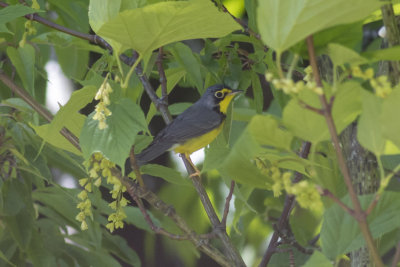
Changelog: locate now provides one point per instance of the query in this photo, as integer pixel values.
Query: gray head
(218, 96)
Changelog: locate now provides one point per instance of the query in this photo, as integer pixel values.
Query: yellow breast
(196, 143)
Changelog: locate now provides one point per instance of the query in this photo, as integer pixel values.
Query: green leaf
(173, 75)
(69, 117)
(257, 92)
(318, 259)
(168, 174)
(369, 132)
(20, 227)
(178, 108)
(184, 55)
(305, 225)
(4, 258)
(15, 196)
(23, 59)
(62, 201)
(262, 132)
(10, 13)
(167, 22)
(136, 218)
(38, 253)
(340, 232)
(311, 126)
(341, 55)
(73, 61)
(391, 53)
(389, 119)
(119, 247)
(284, 23)
(100, 12)
(115, 141)
(64, 40)
(347, 35)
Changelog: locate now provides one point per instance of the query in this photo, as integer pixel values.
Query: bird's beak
(235, 92)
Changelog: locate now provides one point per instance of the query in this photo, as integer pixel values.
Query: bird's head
(219, 96)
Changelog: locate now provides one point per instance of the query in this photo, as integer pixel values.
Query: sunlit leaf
(284, 23)
(167, 22)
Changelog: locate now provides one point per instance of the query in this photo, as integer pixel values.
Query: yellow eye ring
(219, 94)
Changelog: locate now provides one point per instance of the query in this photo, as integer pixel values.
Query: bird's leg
(196, 171)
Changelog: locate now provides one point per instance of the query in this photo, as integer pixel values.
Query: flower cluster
(29, 28)
(104, 100)
(306, 194)
(288, 86)
(381, 84)
(101, 167)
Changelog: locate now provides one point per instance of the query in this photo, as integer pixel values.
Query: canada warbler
(194, 128)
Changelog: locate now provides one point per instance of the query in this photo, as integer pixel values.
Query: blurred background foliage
(37, 206)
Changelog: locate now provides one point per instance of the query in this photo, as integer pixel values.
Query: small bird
(194, 128)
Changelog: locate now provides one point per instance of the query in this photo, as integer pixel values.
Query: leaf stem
(130, 72)
(359, 214)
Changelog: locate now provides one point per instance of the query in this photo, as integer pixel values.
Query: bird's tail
(154, 150)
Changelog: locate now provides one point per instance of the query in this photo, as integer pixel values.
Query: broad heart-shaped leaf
(340, 232)
(390, 117)
(148, 28)
(369, 132)
(10, 13)
(23, 59)
(262, 132)
(341, 55)
(284, 23)
(115, 141)
(311, 126)
(69, 117)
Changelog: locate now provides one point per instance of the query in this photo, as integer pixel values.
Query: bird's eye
(219, 94)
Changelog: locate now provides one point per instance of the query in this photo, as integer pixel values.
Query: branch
(239, 21)
(287, 209)
(37, 107)
(135, 167)
(327, 193)
(163, 78)
(133, 189)
(393, 37)
(231, 251)
(227, 202)
(359, 214)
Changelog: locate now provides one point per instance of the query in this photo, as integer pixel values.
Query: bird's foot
(196, 173)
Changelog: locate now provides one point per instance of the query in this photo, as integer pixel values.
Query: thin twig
(241, 23)
(135, 190)
(135, 167)
(327, 193)
(156, 229)
(230, 249)
(132, 188)
(227, 203)
(359, 214)
(313, 109)
(163, 78)
(287, 208)
(37, 107)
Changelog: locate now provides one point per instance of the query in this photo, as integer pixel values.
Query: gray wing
(193, 122)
